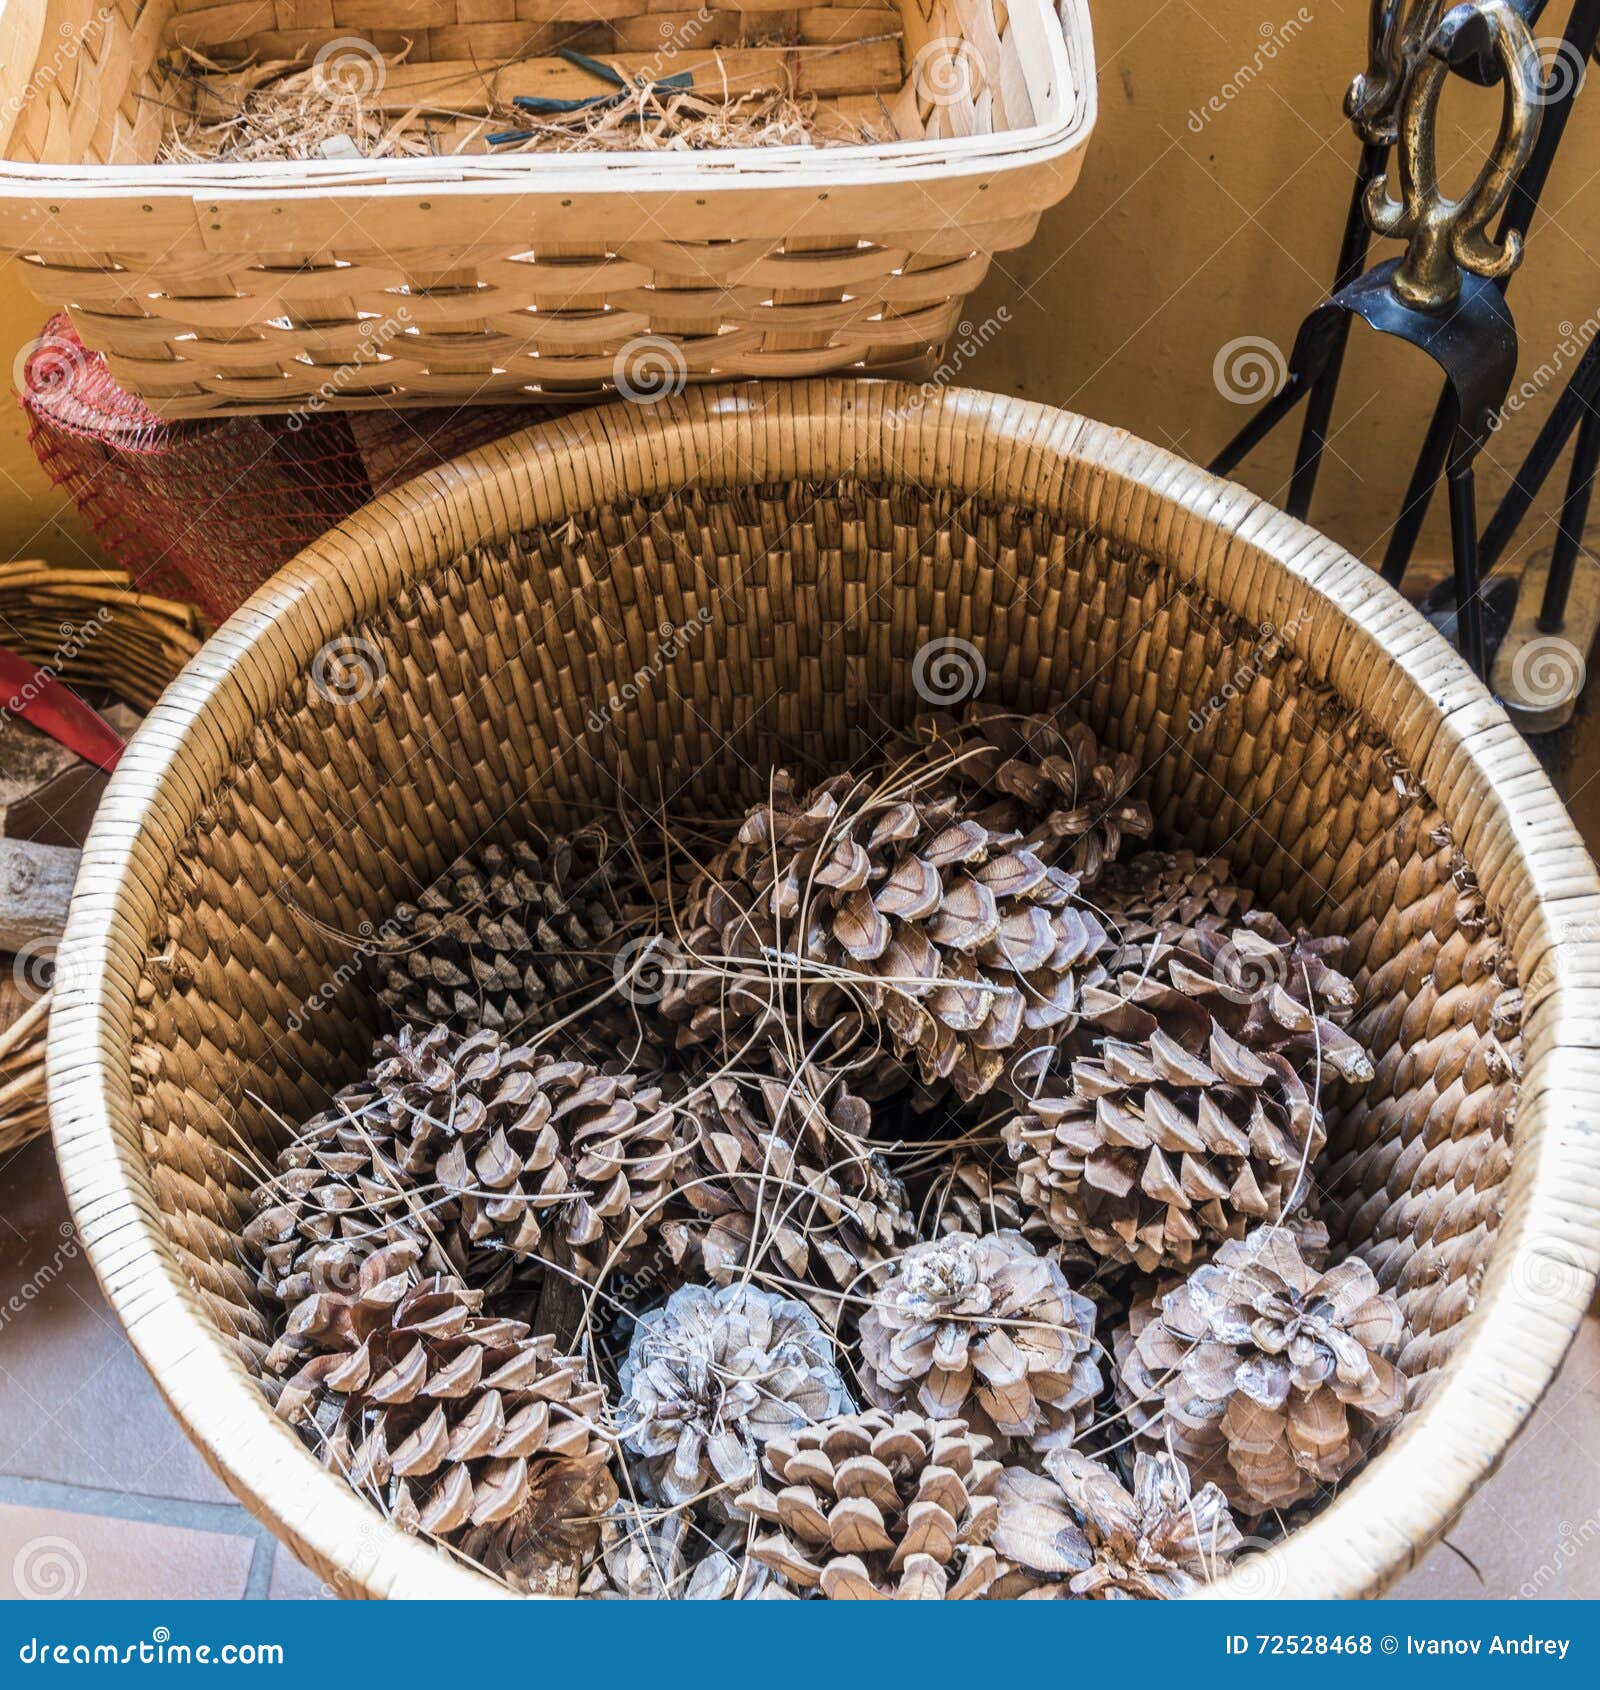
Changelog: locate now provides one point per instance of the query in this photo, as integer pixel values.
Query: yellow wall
(1176, 242)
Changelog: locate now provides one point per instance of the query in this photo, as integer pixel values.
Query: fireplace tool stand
(1446, 294)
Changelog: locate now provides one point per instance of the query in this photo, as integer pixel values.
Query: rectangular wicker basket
(220, 288)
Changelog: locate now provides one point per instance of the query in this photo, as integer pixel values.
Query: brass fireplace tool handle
(1396, 33)
(1447, 236)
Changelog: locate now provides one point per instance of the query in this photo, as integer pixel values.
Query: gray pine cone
(714, 1373)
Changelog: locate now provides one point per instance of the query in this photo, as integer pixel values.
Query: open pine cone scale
(878, 1505)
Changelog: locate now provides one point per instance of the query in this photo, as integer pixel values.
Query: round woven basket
(499, 626)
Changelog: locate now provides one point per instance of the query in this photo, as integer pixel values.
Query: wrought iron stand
(1446, 296)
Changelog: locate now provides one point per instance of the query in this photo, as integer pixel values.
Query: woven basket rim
(1069, 50)
(1332, 611)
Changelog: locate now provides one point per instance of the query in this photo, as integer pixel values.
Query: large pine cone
(1193, 1106)
(1266, 1375)
(986, 1330)
(1167, 892)
(1183, 936)
(513, 1150)
(879, 1505)
(462, 1426)
(1157, 1152)
(713, 1374)
(514, 938)
(1075, 1531)
(1075, 798)
(788, 1162)
(337, 1197)
(548, 1549)
(923, 899)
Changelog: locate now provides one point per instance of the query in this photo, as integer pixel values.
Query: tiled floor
(101, 1494)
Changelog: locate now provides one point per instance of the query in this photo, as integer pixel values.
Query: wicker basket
(497, 606)
(141, 642)
(267, 287)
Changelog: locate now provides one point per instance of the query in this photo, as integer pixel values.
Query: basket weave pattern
(502, 604)
(470, 279)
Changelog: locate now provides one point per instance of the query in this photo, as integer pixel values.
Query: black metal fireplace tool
(1442, 295)
(1447, 293)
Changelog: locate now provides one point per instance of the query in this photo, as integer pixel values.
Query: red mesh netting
(207, 510)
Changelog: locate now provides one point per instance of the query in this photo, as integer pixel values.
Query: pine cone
(1266, 1375)
(546, 1550)
(985, 1329)
(1075, 796)
(1309, 1231)
(647, 1557)
(788, 1162)
(979, 1194)
(1274, 990)
(1193, 1106)
(879, 1505)
(1075, 1531)
(713, 1374)
(1166, 892)
(460, 1425)
(338, 1197)
(540, 1157)
(1157, 1152)
(922, 899)
(513, 938)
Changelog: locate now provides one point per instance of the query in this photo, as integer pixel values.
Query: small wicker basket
(1351, 767)
(140, 642)
(471, 278)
